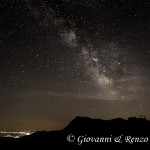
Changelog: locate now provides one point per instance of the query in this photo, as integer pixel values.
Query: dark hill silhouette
(89, 133)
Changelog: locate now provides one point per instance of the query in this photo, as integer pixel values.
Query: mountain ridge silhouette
(85, 132)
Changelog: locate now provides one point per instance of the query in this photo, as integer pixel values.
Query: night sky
(65, 58)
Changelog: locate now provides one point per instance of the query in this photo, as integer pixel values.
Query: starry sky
(65, 58)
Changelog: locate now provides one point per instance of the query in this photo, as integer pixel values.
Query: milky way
(112, 74)
(63, 58)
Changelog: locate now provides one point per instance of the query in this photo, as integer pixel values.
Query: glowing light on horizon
(16, 134)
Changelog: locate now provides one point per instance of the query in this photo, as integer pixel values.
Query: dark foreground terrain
(86, 133)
